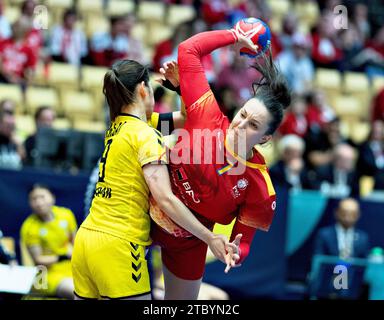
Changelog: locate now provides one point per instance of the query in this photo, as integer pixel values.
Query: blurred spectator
(161, 106)
(296, 65)
(290, 171)
(319, 113)
(44, 117)
(360, 19)
(11, 151)
(68, 43)
(258, 9)
(352, 43)
(166, 48)
(238, 77)
(343, 239)
(319, 145)
(374, 53)
(378, 106)
(371, 156)
(118, 44)
(289, 29)
(339, 178)
(215, 11)
(34, 37)
(17, 60)
(49, 233)
(226, 99)
(5, 27)
(5, 256)
(295, 121)
(326, 52)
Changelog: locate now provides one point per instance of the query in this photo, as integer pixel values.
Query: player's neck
(135, 110)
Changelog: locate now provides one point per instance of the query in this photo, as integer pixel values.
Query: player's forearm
(246, 240)
(204, 43)
(180, 214)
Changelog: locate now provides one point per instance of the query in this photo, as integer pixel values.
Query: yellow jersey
(120, 205)
(54, 237)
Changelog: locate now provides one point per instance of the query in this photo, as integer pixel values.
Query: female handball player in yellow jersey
(109, 255)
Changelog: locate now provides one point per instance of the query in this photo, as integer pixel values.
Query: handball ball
(256, 30)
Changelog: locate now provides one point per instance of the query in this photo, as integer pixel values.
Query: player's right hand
(218, 244)
(243, 41)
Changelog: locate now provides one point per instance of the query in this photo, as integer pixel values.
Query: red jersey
(16, 57)
(209, 189)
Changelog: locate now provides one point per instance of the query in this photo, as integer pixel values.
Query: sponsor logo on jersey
(190, 192)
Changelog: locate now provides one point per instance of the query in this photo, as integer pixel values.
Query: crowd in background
(312, 151)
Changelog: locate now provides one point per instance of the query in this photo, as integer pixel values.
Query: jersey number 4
(103, 160)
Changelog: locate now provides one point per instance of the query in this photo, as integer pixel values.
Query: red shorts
(184, 257)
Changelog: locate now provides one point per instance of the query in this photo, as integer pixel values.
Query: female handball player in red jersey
(218, 192)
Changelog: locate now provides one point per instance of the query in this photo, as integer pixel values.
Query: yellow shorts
(105, 266)
(47, 283)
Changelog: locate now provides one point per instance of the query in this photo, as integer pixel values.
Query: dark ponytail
(120, 84)
(272, 90)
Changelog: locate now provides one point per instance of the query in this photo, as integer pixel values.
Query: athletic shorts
(48, 283)
(183, 256)
(105, 266)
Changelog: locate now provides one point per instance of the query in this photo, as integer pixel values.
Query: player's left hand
(233, 255)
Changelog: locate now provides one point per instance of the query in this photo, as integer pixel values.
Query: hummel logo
(136, 278)
(135, 257)
(136, 267)
(134, 246)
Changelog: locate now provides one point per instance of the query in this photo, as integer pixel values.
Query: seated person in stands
(343, 239)
(371, 156)
(339, 178)
(290, 170)
(11, 150)
(320, 144)
(48, 234)
(68, 43)
(17, 58)
(318, 112)
(295, 121)
(119, 43)
(44, 117)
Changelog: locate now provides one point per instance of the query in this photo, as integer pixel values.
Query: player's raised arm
(190, 53)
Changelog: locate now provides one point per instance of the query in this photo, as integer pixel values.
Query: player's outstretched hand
(233, 255)
(170, 72)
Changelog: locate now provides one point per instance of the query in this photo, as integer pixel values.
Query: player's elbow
(187, 48)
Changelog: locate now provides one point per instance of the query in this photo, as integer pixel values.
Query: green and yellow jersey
(55, 236)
